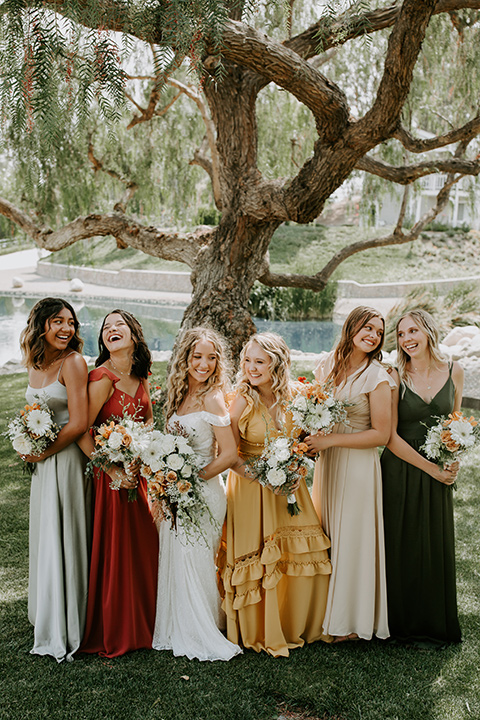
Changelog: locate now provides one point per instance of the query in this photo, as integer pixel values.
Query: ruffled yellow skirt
(273, 568)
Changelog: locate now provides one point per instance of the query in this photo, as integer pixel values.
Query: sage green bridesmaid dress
(419, 533)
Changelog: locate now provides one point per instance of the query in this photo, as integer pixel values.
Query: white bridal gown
(188, 602)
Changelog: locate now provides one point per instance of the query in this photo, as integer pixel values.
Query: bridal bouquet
(120, 441)
(283, 460)
(32, 430)
(171, 468)
(315, 409)
(451, 438)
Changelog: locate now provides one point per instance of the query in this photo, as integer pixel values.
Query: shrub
(292, 303)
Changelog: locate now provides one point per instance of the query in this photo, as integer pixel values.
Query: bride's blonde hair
(177, 381)
(277, 350)
(425, 322)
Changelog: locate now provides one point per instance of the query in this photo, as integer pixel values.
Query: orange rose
(447, 440)
(126, 440)
(302, 471)
(146, 471)
(171, 476)
(184, 487)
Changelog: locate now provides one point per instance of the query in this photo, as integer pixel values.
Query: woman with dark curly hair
(59, 497)
(123, 572)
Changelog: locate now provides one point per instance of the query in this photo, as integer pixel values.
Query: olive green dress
(419, 532)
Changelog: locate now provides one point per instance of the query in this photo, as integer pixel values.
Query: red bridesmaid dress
(122, 589)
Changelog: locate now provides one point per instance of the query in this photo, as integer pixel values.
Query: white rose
(175, 462)
(183, 445)
(276, 477)
(282, 455)
(22, 445)
(115, 440)
(168, 444)
(300, 403)
(282, 442)
(186, 471)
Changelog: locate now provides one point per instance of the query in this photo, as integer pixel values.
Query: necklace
(44, 369)
(427, 375)
(118, 369)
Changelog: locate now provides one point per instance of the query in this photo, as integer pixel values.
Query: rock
(17, 282)
(76, 285)
(460, 334)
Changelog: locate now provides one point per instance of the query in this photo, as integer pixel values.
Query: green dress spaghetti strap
(419, 532)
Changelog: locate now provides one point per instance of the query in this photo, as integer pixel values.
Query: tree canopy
(293, 98)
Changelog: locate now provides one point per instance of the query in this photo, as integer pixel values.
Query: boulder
(458, 334)
(76, 285)
(17, 282)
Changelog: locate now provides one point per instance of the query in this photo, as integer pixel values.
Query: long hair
(32, 338)
(177, 381)
(277, 350)
(141, 359)
(425, 322)
(356, 320)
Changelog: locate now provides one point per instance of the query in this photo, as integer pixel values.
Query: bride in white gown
(188, 616)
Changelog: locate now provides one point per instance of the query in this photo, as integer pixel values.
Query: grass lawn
(306, 249)
(358, 681)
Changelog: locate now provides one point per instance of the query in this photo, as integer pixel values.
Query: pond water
(160, 324)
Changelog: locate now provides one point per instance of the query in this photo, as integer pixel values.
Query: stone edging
(160, 280)
(353, 289)
(168, 281)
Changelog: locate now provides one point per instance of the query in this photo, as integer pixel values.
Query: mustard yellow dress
(274, 568)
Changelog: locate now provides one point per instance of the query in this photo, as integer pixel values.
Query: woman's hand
(448, 475)
(32, 458)
(318, 442)
(122, 479)
(286, 490)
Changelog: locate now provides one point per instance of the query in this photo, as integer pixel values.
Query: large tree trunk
(225, 273)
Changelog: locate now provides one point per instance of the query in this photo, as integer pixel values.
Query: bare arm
(237, 408)
(74, 375)
(378, 434)
(226, 446)
(399, 447)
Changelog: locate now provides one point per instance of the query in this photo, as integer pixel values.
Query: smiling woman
(60, 493)
(347, 483)
(125, 540)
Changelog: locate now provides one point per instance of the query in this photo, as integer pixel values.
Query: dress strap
(61, 366)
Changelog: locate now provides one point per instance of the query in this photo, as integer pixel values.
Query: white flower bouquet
(120, 441)
(280, 465)
(451, 438)
(32, 430)
(171, 468)
(315, 409)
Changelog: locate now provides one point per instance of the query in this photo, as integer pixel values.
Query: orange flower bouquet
(32, 430)
(171, 468)
(315, 409)
(120, 441)
(280, 465)
(451, 438)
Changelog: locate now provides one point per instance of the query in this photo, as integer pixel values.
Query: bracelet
(115, 482)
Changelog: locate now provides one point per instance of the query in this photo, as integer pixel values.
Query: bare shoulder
(238, 405)
(75, 364)
(457, 369)
(214, 402)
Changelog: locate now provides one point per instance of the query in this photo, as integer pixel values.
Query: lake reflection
(160, 325)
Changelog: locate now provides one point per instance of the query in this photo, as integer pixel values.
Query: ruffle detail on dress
(297, 552)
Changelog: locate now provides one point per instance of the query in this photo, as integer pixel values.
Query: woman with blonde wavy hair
(274, 566)
(188, 603)
(417, 494)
